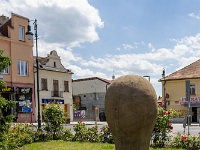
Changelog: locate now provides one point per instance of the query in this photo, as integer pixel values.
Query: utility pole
(164, 90)
(188, 99)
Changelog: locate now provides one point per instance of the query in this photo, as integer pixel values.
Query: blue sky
(97, 37)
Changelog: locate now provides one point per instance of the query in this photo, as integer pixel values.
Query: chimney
(3, 19)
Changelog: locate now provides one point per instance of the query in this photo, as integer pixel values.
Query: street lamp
(29, 36)
(147, 77)
(163, 75)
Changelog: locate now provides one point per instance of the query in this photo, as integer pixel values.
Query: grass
(63, 145)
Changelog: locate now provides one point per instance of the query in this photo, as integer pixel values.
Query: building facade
(90, 92)
(174, 90)
(55, 84)
(19, 76)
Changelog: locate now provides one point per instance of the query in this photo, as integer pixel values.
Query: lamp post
(163, 75)
(147, 77)
(29, 35)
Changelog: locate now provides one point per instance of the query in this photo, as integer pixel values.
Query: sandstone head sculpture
(131, 110)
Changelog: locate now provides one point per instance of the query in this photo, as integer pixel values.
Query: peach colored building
(19, 76)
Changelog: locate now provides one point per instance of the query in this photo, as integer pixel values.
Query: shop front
(61, 102)
(8, 93)
(194, 107)
(24, 104)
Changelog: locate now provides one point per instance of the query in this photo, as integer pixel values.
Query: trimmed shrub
(53, 118)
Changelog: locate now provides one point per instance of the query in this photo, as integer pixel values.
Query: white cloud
(194, 16)
(69, 22)
(127, 46)
(151, 47)
(85, 73)
(183, 62)
(118, 49)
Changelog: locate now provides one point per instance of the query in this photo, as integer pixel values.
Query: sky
(96, 38)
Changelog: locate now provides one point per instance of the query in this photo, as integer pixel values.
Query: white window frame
(21, 33)
(22, 67)
(192, 86)
(5, 71)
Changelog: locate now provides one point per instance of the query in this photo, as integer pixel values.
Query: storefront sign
(55, 101)
(26, 109)
(7, 89)
(193, 100)
(25, 90)
(79, 114)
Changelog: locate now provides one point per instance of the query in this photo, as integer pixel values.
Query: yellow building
(174, 90)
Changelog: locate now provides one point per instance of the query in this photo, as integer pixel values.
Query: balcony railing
(56, 93)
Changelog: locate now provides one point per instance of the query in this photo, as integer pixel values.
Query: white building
(90, 92)
(55, 84)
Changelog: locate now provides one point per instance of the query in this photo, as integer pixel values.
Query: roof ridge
(183, 72)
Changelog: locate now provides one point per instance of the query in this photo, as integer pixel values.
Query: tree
(5, 105)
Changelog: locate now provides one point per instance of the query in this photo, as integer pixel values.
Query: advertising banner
(79, 114)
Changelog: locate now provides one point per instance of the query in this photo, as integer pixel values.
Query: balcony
(56, 93)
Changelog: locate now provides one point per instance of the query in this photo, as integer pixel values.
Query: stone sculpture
(131, 110)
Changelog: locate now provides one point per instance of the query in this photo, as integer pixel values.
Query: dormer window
(54, 64)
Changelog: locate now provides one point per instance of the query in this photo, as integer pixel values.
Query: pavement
(76, 122)
(105, 123)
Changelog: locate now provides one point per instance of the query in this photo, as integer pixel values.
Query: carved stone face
(131, 110)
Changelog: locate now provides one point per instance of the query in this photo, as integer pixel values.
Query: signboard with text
(26, 109)
(54, 101)
(7, 89)
(193, 100)
(79, 114)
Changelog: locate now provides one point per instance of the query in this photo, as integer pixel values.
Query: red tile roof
(189, 72)
(159, 100)
(93, 78)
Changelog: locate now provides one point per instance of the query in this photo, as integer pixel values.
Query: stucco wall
(61, 77)
(176, 90)
(89, 86)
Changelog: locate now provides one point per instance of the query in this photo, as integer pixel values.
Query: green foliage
(40, 136)
(53, 118)
(80, 132)
(92, 134)
(67, 135)
(162, 127)
(186, 142)
(5, 105)
(5, 120)
(19, 135)
(106, 135)
(4, 61)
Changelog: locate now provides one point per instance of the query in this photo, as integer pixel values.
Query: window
(192, 89)
(66, 86)
(22, 68)
(21, 33)
(44, 84)
(5, 71)
(54, 64)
